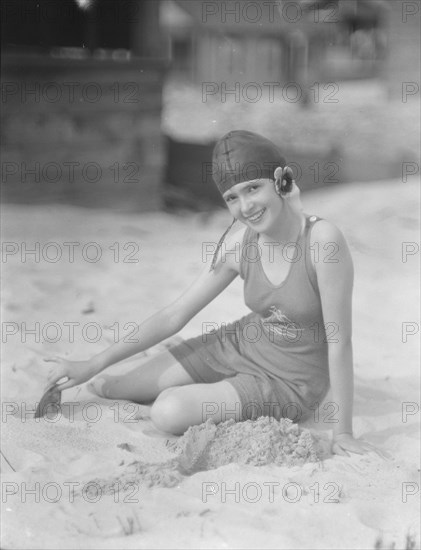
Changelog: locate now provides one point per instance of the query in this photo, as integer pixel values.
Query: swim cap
(244, 156)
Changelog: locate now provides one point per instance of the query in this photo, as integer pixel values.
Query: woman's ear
(278, 180)
(294, 198)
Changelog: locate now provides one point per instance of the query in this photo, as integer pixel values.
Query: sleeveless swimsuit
(276, 357)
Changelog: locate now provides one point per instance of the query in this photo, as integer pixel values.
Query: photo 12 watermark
(70, 172)
(253, 92)
(409, 408)
(409, 10)
(253, 252)
(316, 173)
(52, 252)
(271, 409)
(272, 492)
(325, 413)
(409, 90)
(409, 169)
(52, 332)
(69, 92)
(409, 329)
(90, 412)
(409, 489)
(275, 328)
(258, 12)
(409, 250)
(53, 492)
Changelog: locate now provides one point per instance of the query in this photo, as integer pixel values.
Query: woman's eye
(253, 187)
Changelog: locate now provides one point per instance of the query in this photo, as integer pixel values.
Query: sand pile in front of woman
(209, 446)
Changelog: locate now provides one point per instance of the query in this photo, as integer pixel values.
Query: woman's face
(255, 203)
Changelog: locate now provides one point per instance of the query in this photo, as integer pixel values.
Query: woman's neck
(289, 228)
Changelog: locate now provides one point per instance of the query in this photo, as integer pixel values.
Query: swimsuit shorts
(260, 394)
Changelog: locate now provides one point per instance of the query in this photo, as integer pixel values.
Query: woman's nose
(246, 205)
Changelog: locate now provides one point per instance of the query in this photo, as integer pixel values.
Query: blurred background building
(119, 102)
(277, 44)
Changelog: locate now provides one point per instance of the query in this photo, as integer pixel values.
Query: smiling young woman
(281, 358)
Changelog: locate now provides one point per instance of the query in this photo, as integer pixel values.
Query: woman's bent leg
(178, 408)
(141, 380)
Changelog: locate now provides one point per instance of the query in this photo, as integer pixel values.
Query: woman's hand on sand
(70, 373)
(343, 444)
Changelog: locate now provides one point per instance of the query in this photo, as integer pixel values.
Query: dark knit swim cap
(243, 156)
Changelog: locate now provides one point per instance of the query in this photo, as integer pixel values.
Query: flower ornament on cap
(284, 180)
(241, 156)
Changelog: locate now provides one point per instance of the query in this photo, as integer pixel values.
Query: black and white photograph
(210, 274)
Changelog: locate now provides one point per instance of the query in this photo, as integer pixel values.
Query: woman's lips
(257, 216)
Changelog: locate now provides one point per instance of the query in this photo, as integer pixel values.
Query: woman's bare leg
(180, 402)
(140, 380)
(180, 407)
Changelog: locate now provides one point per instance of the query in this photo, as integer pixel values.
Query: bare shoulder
(330, 247)
(325, 231)
(235, 236)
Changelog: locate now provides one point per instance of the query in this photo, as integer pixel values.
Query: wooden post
(147, 39)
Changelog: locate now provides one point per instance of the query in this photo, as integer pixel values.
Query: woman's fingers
(348, 446)
(58, 375)
(58, 382)
(55, 377)
(65, 385)
(338, 450)
(382, 454)
(367, 446)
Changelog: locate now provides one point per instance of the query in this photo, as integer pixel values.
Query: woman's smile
(256, 217)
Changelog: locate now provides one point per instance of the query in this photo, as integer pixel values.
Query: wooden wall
(82, 131)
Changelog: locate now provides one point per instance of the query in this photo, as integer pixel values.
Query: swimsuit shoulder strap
(249, 236)
(311, 272)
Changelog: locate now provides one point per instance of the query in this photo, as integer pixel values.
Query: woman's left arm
(335, 277)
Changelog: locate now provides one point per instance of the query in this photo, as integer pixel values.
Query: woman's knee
(169, 412)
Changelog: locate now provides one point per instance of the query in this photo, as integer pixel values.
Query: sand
(76, 479)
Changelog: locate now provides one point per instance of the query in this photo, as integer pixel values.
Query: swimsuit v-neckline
(295, 243)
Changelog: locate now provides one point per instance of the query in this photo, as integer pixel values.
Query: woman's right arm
(163, 324)
(171, 319)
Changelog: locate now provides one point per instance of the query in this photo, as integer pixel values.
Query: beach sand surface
(77, 306)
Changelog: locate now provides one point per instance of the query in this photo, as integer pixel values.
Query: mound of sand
(257, 443)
